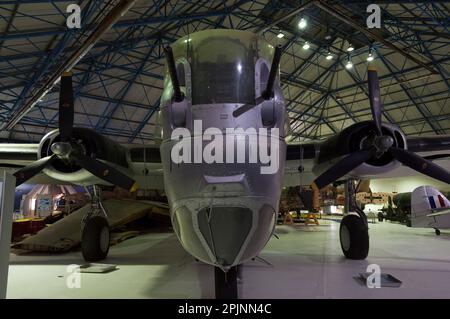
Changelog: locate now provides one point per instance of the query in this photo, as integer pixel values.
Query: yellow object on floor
(288, 219)
(310, 217)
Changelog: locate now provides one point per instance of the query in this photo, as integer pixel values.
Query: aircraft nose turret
(224, 236)
(225, 230)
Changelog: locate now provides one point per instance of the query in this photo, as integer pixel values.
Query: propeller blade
(24, 174)
(343, 167)
(436, 157)
(247, 107)
(105, 172)
(178, 95)
(420, 164)
(375, 99)
(66, 108)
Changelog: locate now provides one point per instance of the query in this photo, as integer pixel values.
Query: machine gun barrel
(178, 96)
(268, 92)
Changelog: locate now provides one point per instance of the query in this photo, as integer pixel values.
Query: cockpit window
(223, 71)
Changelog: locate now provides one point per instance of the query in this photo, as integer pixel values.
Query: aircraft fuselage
(224, 179)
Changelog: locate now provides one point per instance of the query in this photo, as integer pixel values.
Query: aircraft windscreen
(223, 71)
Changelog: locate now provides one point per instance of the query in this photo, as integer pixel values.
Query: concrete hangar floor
(306, 262)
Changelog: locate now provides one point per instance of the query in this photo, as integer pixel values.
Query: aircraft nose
(224, 235)
(225, 230)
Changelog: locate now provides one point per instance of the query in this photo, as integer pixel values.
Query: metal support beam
(119, 10)
(7, 186)
(371, 34)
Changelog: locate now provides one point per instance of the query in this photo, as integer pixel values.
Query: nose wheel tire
(226, 283)
(354, 237)
(437, 232)
(408, 222)
(95, 239)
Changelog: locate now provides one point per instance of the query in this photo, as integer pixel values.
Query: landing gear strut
(95, 231)
(226, 283)
(354, 230)
(380, 217)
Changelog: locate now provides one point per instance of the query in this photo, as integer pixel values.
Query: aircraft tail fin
(424, 201)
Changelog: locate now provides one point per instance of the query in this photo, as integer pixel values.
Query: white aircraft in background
(429, 209)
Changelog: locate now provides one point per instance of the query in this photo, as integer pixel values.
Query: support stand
(7, 188)
(226, 283)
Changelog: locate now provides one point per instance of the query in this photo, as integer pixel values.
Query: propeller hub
(383, 143)
(61, 149)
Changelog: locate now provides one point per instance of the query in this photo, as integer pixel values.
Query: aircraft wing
(14, 156)
(429, 144)
(315, 157)
(17, 155)
(144, 162)
(301, 158)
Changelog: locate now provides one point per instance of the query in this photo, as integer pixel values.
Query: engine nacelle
(357, 137)
(90, 144)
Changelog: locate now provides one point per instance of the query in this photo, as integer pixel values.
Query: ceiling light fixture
(370, 57)
(302, 23)
(349, 65)
(306, 46)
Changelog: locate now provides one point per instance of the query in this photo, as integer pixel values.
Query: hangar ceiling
(118, 83)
